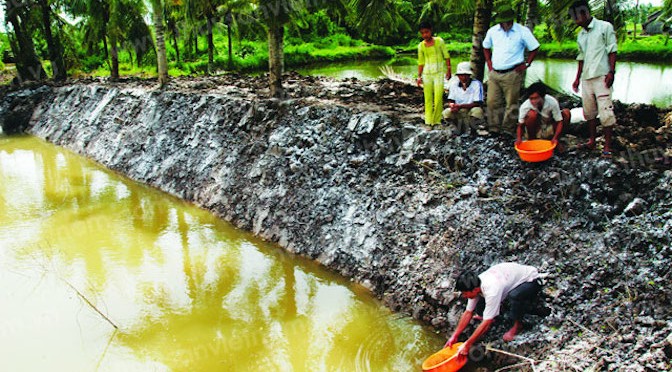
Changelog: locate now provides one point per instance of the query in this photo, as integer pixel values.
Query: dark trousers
(521, 300)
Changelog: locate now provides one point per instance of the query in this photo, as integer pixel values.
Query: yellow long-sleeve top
(434, 57)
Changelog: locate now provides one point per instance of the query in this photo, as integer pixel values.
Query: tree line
(74, 30)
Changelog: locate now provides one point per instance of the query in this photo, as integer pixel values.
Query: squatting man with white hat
(518, 284)
(465, 100)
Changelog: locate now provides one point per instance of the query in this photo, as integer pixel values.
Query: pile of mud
(343, 172)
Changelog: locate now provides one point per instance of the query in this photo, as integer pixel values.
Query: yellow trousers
(433, 89)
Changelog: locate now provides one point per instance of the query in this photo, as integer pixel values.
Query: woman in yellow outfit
(432, 54)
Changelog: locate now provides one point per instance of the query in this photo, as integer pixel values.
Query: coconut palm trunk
(174, 32)
(161, 58)
(176, 45)
(634, 31)
(211, 43)
(53, 43)
(28, 66)
(481, 24)
(114, 56)
(532, 14)
(229, 20)
(112, 25)
(228, 32)
(276, 33)
(275, 14)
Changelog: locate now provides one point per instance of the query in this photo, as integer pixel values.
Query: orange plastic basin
(534, 151)
(446, 360)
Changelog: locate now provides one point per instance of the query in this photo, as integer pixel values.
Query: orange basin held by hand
(446, 360)
(535, 151)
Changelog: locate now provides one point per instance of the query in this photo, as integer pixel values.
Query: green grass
(257, 60)
(646, 49)
(307, 54)
(125, 69)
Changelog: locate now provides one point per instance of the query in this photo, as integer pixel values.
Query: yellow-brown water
(187, 291)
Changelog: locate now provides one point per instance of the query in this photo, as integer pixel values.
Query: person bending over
(519, 284)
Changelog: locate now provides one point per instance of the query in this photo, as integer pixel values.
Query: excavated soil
(345, 173)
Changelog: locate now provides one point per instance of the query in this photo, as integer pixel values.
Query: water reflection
(188, 291)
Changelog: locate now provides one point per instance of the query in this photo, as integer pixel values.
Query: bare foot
(560, 148)
(511, 334)
(590, 145)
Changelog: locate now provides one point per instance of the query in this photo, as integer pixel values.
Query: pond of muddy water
(83, 250)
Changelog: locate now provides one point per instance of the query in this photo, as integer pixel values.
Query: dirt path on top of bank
(643, 132)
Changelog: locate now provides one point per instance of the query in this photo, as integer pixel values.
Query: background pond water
(635, 82)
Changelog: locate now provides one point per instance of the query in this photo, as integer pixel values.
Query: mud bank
(342, 172)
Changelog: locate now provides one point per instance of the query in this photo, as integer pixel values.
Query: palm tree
(375, 18)
(172, 15)
(161, 59)
(440, 11)
(113, 22)
(275, 14)
(233, 10)
(203, 13)
(532, 19)
(555, 13)
(114, 32)
(666, 18)
(28, 65)
(482, 17)
(209, 12)
(53, 43)
(135, 34)
(192, 17)
(95, 16)
(634, 30)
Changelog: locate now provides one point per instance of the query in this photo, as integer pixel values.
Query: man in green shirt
(597, 66)
(433, 65)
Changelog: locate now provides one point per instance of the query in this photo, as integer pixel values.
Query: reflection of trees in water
(5, 212)
(184, 320)
(243, 310)
(173, 335)
(83, 221)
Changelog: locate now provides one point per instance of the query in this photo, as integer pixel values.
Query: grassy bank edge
(295, 56)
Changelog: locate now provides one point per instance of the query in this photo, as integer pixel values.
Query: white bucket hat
(463, 68)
